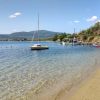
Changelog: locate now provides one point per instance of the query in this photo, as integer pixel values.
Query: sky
(55, 15)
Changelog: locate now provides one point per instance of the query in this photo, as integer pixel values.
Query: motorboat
(97, 45)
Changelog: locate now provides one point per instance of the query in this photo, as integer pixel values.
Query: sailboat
(39, 46)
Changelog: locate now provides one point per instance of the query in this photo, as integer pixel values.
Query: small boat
(63, 43)
(96, 45)
(39, 47)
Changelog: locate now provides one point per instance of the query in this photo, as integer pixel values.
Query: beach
(86, 89)
(89, 89)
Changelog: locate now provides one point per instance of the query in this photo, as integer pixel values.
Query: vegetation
(91, 34)
(63, 37)
(88, 35)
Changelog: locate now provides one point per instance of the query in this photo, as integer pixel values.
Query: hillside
(43, 34)
(91, 34)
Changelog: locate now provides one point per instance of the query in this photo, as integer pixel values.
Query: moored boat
(63, 43)
(96, 45)
(39, 47)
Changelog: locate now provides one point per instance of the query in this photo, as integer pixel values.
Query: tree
(55, 37)
(62, 36)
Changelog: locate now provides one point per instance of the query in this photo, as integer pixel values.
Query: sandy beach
(87, 90)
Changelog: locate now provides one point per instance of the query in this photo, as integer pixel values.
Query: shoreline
(88, 89)
(85, 89)
(63, 91)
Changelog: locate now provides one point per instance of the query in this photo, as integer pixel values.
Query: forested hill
(91, 34)
(42, 34)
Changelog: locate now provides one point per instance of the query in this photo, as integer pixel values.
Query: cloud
(12, 16)
(76, 21)
(15, 15)
(92, 19)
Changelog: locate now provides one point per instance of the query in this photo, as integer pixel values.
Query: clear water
(22, 69)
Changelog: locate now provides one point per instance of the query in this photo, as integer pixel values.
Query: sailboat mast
(74, 31)
(38, 27)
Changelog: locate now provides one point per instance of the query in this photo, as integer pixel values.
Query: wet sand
(87, 90)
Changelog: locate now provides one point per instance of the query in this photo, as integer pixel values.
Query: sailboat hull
(39, 47)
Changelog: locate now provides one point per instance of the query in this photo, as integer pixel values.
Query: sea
(24, 72)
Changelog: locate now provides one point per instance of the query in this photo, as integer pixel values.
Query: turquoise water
(22, 69)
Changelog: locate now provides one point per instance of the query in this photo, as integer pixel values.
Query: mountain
(42, 34)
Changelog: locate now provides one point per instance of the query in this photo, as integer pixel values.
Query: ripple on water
(23, 70)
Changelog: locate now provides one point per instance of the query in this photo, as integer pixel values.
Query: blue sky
(55, 15)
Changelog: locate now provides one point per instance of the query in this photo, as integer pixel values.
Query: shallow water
(22, 69)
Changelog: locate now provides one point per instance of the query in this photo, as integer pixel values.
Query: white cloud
(12, 16)
(92, 19)
(76, 21)
(15, 15)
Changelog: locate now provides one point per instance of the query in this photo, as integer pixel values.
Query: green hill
(91, 34)
(42, 34)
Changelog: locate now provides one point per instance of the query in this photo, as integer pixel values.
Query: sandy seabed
(88, 89)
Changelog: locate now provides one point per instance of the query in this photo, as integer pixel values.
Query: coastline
(89, 89)
(86, 89)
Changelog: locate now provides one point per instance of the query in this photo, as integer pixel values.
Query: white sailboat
(39, 46)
